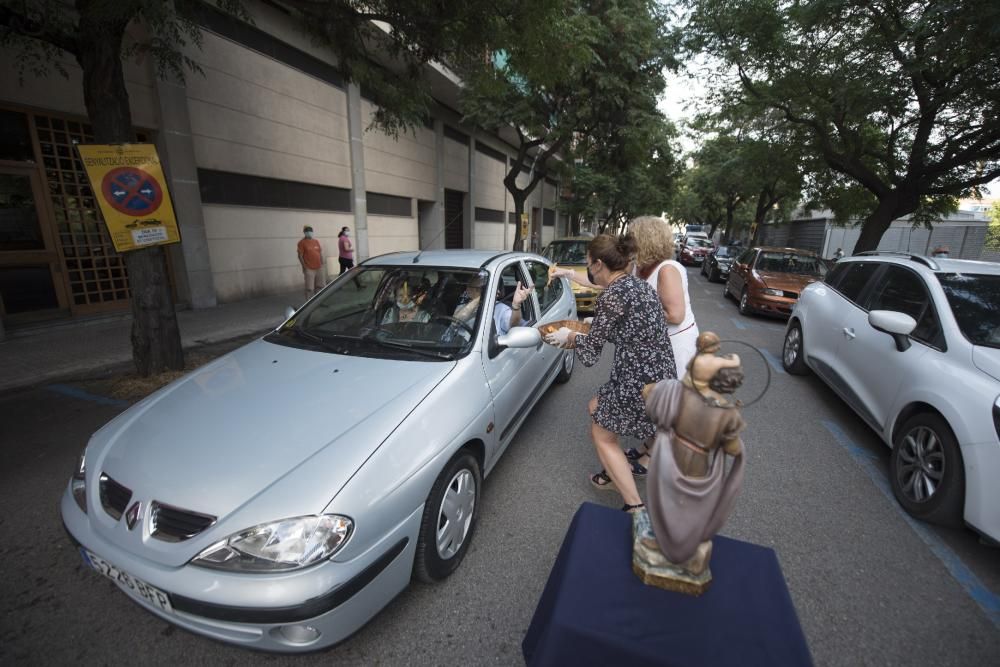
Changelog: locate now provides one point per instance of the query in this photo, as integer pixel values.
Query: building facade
(267, 139)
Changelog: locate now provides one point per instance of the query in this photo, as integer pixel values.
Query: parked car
(282, 495)
(769, 280)
(571, 253)
(694, 250)
(913, 346)
(717, 262)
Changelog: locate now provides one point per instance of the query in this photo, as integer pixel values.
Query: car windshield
(393, 312)
(728, 251)
(699, 243)
(973, 299)
(790, 262)
(567, 252)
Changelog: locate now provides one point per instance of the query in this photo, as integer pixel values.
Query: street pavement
(871, 586)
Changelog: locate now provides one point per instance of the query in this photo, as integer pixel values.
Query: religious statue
(690, 493)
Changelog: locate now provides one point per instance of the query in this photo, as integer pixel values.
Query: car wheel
(725, 291)
(566, 372)
(449, 519)
(925, 470)
(713, 275)
(793, 352)
(745, 302)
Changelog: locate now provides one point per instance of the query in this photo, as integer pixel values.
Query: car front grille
(173, 524)
(114, 496)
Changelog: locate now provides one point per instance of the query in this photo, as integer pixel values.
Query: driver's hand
(520, 294)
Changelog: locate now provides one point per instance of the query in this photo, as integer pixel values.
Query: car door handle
(849, 333)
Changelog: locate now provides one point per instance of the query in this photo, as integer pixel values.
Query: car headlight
(78, 483)
(773, 292)
(288, 544)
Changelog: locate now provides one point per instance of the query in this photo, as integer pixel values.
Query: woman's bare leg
(613, 459)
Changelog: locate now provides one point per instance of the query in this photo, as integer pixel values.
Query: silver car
(280, 496)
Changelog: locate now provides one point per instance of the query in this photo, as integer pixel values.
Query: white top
(653, 281)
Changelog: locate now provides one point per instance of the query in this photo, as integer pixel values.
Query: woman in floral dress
(628, 315)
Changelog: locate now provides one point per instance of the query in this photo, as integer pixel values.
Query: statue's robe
(686, 510)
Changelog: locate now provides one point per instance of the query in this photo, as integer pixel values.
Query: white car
(912, 344)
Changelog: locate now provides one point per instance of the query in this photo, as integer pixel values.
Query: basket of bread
(574, 325)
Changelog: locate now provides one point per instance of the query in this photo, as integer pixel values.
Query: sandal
(638, 470)
(633, 454)
(602, 481)
(631, 509)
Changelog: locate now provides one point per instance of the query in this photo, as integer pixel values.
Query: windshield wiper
(399, 345)
(319, 340)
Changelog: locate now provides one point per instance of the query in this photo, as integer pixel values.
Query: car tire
(713, 275)
(925, 451)
(793, 351)
(444, 539)
(566, 372)
(725, 291)
(744, 303)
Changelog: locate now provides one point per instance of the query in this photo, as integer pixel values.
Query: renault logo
(132, 515)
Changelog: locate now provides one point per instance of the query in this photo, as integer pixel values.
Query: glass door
(28, 285)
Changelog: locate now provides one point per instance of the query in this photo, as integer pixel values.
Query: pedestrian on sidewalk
(311, 259)
(346, 250)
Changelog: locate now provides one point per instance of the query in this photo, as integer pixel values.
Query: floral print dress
(628, 315)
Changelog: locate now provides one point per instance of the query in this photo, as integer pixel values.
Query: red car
(769, 280)
(694, 250)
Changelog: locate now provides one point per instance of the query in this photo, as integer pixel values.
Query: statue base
(653, 568)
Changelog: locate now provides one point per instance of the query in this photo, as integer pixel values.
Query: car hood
(220, 436)
(791, 282)
(581, 271)
(987, 359)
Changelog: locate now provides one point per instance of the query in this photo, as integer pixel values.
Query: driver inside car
(504, 316)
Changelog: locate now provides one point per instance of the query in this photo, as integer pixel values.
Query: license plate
(131, 585)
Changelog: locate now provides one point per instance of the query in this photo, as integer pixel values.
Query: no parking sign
(128, 182)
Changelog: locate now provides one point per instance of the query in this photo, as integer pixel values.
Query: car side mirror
(898, 325)
(520, 337)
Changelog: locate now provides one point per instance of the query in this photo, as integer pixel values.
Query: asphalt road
(871, 587)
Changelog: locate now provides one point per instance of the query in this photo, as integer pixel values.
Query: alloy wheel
(793, 346)
(455, 514)
(920, 465)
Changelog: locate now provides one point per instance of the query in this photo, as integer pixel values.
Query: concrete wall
(390, 233)
(61, 94)
(253, 115)
(402, 166)
(253, 249)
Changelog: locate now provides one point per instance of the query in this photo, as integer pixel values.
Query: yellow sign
(128, 183)
(524, 224)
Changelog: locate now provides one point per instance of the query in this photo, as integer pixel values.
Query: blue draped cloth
(595, 611)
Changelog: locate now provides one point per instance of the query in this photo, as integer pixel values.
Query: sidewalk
(82, 348)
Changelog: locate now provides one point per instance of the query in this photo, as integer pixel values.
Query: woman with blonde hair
(654, 263)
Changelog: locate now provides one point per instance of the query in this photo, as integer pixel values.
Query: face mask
(405, 305)
(309, 235)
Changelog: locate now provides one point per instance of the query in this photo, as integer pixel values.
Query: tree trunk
(890, 207)
(519, 198)
(156, 341)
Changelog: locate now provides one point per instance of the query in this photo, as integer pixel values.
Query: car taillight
(996, 416)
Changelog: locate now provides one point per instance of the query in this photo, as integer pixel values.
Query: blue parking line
(739, 325)
(773, 360)
(987, 600)
(73, 392)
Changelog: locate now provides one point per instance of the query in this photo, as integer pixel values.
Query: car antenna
(436, 237)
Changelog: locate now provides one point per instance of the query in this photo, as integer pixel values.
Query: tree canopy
(898, 96)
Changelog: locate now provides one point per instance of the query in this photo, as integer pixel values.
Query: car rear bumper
(280, 612)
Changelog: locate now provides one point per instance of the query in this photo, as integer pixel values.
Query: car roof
(935, 264)
(799, 251)
(461, 259)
